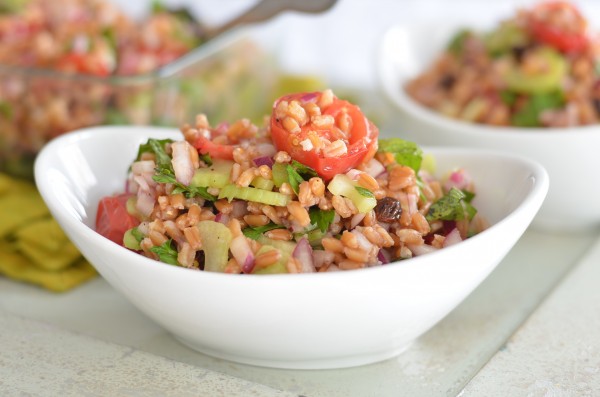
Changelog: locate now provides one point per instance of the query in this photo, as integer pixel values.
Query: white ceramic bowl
(570, 155)
(319, 320)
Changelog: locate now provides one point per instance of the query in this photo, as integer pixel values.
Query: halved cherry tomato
(82, 63)
(112, 219)
(561, 25)
(216, 151)
(361, 139)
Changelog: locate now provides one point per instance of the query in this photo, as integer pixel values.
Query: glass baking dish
(226, 78)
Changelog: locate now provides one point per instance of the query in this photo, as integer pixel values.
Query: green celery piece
(341, 185)
(217, 175)
(280, 174)
(261, 183)
(286, 247)
(216, 239)
(456, 44)
(548, 81)
(231, 192)
(278, 267)
(130, 241)
(506, 37)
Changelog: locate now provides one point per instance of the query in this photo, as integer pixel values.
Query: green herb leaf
(364, 192)
(139, 236)
(255, 232)
(294, 178)
(207, 159)
(167, 176)
(321, 218)
(166, 253)
(406, 153)
(529, 115)
(508, 97)
(157, 146)
(304, 170)
(457, 43)
(6, 110)
(453, 206)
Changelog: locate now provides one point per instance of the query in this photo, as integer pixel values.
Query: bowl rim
(398, 96)
(537, 192)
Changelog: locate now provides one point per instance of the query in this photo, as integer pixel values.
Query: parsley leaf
(364, 192)
(294, 178)
(406, 153)
(206, 158)
(157, 146)
(167, 176)
(166, 253)
(298, 173)
(529, 115)
(255, 232)
(457, 43)
(453, 206)
(321, 218)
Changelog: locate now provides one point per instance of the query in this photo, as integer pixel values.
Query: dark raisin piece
(519, 52)
(447, 82)
(388, 210)
(596, 103)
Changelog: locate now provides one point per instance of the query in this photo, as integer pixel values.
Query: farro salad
(311, 190)
(535, 69)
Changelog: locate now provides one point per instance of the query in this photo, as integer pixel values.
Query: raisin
(447, 82)
(388, 210)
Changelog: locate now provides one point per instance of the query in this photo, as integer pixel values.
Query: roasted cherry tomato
(360, 140)
(216, 150)
(112, 219)
(561, 25)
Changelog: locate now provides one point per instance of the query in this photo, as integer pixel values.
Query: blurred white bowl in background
(570, 155)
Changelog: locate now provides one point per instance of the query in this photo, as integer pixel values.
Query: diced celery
(131, 206)
(130, 241)
(280, 174)
(341, 185)
(278, 267)
(286, 247)
(231, 192)
(261, 183)
(217, 175)
(216, 239)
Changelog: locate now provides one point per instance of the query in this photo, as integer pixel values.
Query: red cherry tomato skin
(112, 219)
(362, 140)
(567, 42)
(216, 151)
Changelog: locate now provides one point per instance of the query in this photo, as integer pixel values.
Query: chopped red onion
(183, 165)
(452, 238)
(353, 174)
(142, 166)
(265, 149)
(374, 168)
(240, 208)
(265, 160)
(459, 179)
(382, 256)
(309, 97)
(222, 218)
(304, 253)
(221, 128)
(240, 249)
(356, 219)
(321, 258)
(145, 202)
(421, 249)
